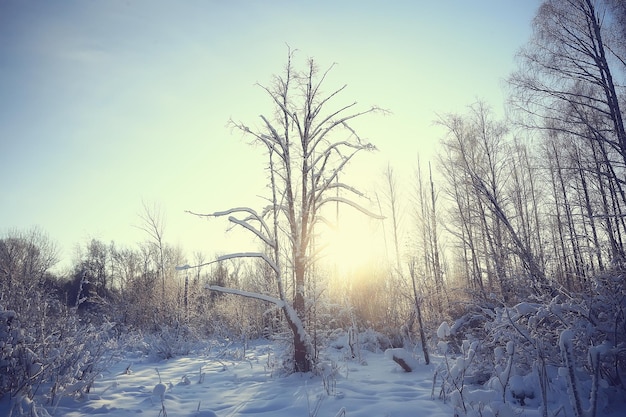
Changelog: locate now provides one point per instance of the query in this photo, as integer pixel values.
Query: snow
(159, 391)
(443, 331)
(401, 354)
(236, 385)
(526, 308)
(565, 340)
(229, 379)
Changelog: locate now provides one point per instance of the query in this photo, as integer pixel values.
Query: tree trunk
(302, 358)
(418, 312)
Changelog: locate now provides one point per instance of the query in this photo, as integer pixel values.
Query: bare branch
(263, 256)
(248, 210)
(351, 204)
(249, 227)
(277, 301)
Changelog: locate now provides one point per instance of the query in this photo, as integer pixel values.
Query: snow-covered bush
(533, 352)
(44, 356)
(19, 365)
(455, 371)
(171, 341)
(75, 356)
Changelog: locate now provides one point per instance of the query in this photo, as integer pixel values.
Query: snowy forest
(506, 286)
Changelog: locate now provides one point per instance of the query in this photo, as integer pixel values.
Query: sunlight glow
(352, 245)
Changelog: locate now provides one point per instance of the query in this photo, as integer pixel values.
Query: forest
(514, 264)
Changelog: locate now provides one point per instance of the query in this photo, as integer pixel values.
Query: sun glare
(353, 245)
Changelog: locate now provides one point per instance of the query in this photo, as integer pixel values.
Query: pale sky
(104, 104)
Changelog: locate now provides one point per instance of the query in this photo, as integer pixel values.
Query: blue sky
(104, 104)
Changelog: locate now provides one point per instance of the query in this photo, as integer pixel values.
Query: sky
(108, 104)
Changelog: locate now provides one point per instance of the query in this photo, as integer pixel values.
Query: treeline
(537, 201)
(533, 208)
(135, 288)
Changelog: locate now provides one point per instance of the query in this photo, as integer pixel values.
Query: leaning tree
(308, 142)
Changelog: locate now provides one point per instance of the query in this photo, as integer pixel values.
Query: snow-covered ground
(227, 381)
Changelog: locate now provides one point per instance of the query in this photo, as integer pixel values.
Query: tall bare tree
(393, 201)
(428, 241)
(566, 73)
(308, 143)
(566, 89)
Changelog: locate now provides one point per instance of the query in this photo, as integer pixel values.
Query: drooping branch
(263, 256)
(238, 255)
(523, 250)
(244, 223)
(276, 301)
(352, 204)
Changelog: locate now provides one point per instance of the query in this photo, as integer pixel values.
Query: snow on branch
(351, 204)
(275, 136)
(238, 255)
(287, 308)
(187, 266)
(271, 142)
(325, 154)
(330, 124)
(329, 181)
(320, 132)
(249, 227)
(344, 186)
(253, 216)
(277, 301)
(318, 108)
(335, 171)
(263, 256)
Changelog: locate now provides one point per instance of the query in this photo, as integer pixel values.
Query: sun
(354, 243)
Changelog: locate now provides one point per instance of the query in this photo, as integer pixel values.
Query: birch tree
(567, 87)
(308, 141)
(476, 145)
(567, 73)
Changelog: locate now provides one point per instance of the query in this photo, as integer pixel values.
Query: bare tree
(418, 311)
(308, 145)
(25, 259)
(153, 223)
(427, 229)
(462, 223)
(393, 200)
(566, 74)
(476, 145)
(394, 285)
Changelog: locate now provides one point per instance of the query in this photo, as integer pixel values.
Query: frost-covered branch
(244, 223)
(277, 301)
(330, 179)
(238, 255)
(336, 146)
(343, 186)
(248, 226)
(321, 132)
(263, 256)
(351, 204)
